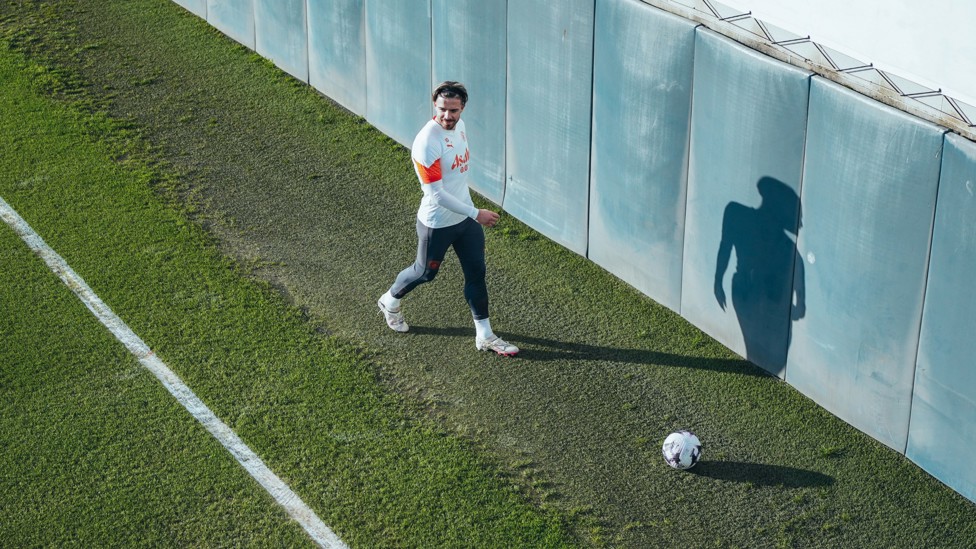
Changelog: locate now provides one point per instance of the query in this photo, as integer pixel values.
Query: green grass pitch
(243, 226)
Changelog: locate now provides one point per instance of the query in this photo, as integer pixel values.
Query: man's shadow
(543, 349)
(768, 272)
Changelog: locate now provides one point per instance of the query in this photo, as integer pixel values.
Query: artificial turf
(312, 202)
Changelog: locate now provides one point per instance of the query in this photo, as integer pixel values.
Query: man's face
(447, 111)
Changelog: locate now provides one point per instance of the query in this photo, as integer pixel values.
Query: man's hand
(487, 218)
(720, 294)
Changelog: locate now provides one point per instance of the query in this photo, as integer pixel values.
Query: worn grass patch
(301, 194)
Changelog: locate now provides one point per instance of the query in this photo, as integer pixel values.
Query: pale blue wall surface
(235, 18)
(469, 46)
(196, 7)
(869, 189)
(337, 51)
(642, 77)
(280, 35)
(550, 71)
(398, 67)
(942, 434)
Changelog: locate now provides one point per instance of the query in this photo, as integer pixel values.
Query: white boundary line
(280, 491)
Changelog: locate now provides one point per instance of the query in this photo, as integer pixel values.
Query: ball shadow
(761, 475)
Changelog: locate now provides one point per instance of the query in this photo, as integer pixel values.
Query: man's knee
(430, 271)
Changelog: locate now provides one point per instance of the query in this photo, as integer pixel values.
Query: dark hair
(451, 90)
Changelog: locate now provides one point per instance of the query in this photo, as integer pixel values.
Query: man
(447, 217)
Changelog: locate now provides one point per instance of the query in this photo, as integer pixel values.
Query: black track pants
(468, 239)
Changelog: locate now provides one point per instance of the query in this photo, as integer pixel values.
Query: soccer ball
(682, 449)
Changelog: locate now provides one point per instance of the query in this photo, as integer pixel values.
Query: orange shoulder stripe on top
(430, 174)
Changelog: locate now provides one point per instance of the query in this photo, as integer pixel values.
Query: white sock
(390, 302)
(483, 328)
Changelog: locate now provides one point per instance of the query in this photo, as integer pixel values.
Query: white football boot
(496, 344)
(394, 318)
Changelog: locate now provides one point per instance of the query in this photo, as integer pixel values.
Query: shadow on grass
(761, 475)
(538, 349)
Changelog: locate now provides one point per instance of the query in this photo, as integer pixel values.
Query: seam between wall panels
(308, 46)
(501, 199)
(684, 212)
(925, 291)
(505, 173)
(589, 141)
(799, 225)
(363, 28)
(254, 25)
